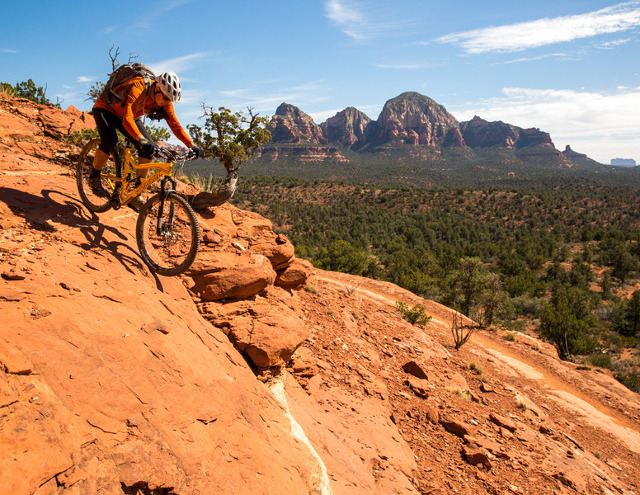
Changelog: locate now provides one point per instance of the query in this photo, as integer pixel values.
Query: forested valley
(560, 261)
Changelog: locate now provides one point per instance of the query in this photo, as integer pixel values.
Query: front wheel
(168, 234)
(95, 199)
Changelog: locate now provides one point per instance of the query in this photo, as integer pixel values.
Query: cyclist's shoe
(96, 187)
(136, 203)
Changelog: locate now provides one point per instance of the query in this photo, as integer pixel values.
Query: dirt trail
(559, 388)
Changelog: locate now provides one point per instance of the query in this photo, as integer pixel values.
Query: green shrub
(416, 315)
(80, 138)
(158, 133)
(342, 256)
(567, 321)
(8, 89)
(29, 90)
(602, 360)
(631, 380)
(528, 306)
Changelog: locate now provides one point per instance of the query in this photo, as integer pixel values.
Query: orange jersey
(137, 103)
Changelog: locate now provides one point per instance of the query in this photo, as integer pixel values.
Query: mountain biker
(125, 116)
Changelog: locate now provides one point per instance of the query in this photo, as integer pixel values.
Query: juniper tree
(232, 138)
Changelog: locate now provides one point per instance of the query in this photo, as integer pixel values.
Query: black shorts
(108, 123)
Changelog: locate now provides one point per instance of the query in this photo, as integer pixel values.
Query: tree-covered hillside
(563, 260)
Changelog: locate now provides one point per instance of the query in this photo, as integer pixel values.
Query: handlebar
(172, 156)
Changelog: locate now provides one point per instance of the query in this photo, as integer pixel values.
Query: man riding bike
(138, 99)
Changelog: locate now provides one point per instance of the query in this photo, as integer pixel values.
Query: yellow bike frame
(128, 191)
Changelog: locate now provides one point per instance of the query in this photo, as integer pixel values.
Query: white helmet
(170, 85)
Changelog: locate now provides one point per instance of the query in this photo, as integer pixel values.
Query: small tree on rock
(231, 138)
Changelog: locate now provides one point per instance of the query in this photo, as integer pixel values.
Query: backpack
(121, 75)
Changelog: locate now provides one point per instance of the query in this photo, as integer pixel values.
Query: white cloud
(536, 58)
(345, 16)
(8, 50)
(524, 35)
(614, 43)
(85, 79)
(178, 64)
(320, 117)
(602, 125)
(266, 102)
(364, 21)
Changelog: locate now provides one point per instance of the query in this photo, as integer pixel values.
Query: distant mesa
(623, 162)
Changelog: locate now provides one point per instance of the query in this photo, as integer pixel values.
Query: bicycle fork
(164, 229)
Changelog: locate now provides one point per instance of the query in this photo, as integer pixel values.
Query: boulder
(415, 369)
(277, 248)
(230, 275)
(295, 275)
(268, 331)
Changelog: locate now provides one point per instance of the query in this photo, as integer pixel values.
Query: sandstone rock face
(304, 154)
(295, 275)
(478, 133)
(56, 123)
(409, 119)
(241, 256)
(230, 275)
(529, 137)
(110, 380)
(38, 120)
(347, 128)
(267, 329)
(418, 120)
(292, 125)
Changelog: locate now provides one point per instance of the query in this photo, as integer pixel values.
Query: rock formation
(577, 158)
(411, 123)
(292, 125)
(415, 119)
(347, 128)
(478, 133)
(623, 162)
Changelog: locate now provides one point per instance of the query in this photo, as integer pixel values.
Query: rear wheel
(168, 234)
(94, 201)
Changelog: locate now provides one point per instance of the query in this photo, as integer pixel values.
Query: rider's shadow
(43, 212)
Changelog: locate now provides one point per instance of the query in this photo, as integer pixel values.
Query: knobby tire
(173, 250)
(95, 203)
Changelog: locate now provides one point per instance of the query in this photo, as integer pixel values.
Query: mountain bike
(167, 230)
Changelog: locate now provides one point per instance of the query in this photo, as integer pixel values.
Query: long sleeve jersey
(136, 103)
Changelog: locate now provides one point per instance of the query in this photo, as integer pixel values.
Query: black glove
(147, 147)
(157, 114)
(198, 151)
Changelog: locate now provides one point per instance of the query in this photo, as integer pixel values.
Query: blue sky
(569, 67)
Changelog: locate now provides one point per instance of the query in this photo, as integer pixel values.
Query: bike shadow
(56, 208)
